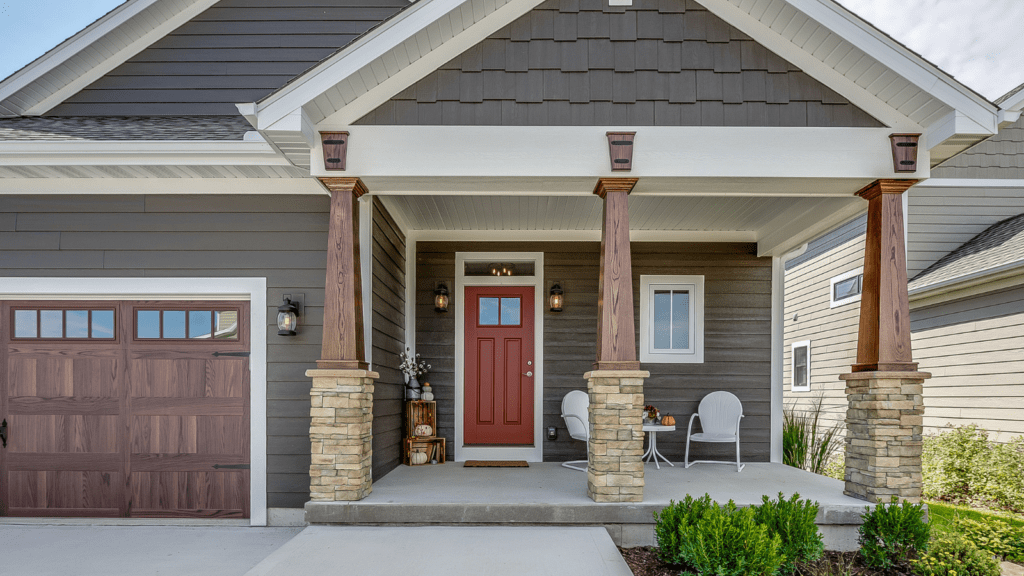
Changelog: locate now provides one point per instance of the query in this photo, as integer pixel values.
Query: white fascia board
(134, 153)
(582, 152)
(967, 280)
(423, 235)
(953, 123)
(86, 186)
(43, 99)
(971, 183)
(900, 60)
(349, 61)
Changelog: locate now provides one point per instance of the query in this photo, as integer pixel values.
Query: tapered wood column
(342, 347)
(616, 332)
(884, 340)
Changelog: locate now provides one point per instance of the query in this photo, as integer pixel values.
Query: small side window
(801, 366)
(846, 288)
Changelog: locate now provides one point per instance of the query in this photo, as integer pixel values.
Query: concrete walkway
(446, 551)
(136, 550)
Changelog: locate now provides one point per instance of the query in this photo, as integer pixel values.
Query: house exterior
(171, 174)
(963, 255)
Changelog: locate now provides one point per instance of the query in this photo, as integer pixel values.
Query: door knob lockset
(529, 374)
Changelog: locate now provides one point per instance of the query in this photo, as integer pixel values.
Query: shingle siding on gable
(1001, 156)
(584, 63)
(236, 51)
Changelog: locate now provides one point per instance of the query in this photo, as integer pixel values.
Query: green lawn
(942, 515)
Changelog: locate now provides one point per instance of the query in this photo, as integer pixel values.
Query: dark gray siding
(388, 339)
(236, 51)
(982, 307)
(655, 63)
(1001, 156)
(737, 334)
(282, 238)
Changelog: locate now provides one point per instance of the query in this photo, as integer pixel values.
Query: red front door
(499, 365)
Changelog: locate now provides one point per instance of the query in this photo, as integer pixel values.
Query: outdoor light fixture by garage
(556, 297)
(441, 297)
(286, 318)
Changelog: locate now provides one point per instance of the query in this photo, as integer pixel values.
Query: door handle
(3, 433)
(530, 374)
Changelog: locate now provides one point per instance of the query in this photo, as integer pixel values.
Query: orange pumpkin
(668, 421)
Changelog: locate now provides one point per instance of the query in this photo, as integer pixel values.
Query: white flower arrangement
(412, 366)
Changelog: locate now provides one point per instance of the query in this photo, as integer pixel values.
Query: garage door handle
(3, 433)
(246, 354)
(231, 466)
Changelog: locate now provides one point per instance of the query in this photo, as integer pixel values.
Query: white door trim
(533, 453)
(252, 289)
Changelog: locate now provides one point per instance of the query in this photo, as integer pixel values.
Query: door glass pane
(662, 319)
(680, 320)
(102, 323)
(174, 323)
(25, 323)
(78, 323)
(227, 324)
(489, 311)
(199, 323)
(510, 311)
(51, 323)
(148, 325)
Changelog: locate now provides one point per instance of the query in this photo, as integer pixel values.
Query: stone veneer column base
(340, 434)
(615, 471)
(883, 435)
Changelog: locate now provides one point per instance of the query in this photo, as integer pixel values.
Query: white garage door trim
(252, 289)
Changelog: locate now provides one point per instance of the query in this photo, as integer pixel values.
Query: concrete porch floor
(547, 493)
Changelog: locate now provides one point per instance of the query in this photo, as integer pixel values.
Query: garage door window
(70, 324)
(186, 324)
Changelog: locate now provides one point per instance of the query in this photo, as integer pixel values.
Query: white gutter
(973, 279)
(148, 152)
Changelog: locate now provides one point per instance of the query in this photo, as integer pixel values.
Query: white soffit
(85, 57)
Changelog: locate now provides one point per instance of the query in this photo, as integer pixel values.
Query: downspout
(778, 338)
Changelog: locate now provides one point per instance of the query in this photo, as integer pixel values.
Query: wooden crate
(420, 412)
(434, 447)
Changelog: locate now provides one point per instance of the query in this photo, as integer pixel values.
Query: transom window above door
(672, 319)
(71, 324)
(500, 311)
(186, 324)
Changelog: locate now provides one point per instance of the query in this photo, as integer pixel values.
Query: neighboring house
(965, 239)
(174, 168)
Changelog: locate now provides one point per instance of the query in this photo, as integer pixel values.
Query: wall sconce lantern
(287, 313)
(441, 297)
(556, 297)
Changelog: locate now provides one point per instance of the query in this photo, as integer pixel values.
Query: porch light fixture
(441, 297)
(555, 298)
(287, 313)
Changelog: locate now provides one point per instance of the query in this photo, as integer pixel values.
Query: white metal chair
(577, 420)
(720, 414)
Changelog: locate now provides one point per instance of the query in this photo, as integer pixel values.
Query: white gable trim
(85, 57)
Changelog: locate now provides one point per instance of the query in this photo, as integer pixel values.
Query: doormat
(496, 464)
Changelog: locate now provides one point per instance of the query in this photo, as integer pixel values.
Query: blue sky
(977, 41)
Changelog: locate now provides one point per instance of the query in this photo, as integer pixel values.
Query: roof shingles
(999, 245)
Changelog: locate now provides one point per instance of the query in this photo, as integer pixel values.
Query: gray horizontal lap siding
(236, 51)
(282, 238)
(655, 63)
(737, 335)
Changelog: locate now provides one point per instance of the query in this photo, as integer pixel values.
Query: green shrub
(807, 442)
(716, 540)
(671, 518)
(836, 467)
(793, 521)
(954, 555)
(963, 466)
(992, 536)
(893, 533)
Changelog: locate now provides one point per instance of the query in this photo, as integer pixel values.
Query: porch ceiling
(776, 223)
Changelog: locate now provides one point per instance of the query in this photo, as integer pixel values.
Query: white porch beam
(242, 186)
(252, 151)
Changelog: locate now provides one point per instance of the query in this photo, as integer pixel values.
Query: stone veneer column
(340, 434)
(883, 435)
(615, 471)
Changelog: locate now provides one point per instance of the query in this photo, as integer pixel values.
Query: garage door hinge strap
(246, 354)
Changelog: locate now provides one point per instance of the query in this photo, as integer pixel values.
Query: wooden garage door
(130, 409)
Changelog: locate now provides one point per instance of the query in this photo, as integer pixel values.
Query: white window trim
(530, 453)
(792, 366)
(833, 303)
(252, 289)
(647, 353)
